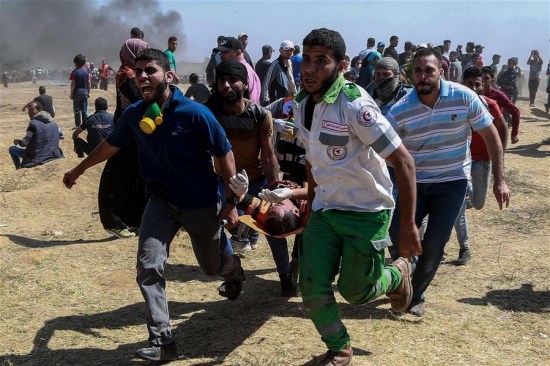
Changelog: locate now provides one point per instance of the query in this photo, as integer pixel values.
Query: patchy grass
(68, 294)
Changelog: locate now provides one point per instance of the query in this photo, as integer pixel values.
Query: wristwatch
(232, 200)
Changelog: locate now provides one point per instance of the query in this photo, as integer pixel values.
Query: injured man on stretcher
(280, 210)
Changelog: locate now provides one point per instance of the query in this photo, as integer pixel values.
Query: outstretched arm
(101, 153)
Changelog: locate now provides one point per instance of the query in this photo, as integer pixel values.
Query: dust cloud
(49, 33)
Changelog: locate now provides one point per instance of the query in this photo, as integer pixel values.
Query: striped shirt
(438, 139)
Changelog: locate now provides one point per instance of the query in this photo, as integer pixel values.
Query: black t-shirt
(199, 92)
(99, 125)
(308, 117)
(47, 103)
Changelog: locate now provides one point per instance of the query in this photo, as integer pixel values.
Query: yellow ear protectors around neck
(151, 119)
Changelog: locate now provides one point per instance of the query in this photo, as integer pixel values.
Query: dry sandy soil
(68, 295)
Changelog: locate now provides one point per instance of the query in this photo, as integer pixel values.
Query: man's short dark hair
(135, 32)
(193, 78)
(79, 60)
(394, 38)
(172, 39)
(408, 46)
(152, 54)
(447, 41)
(488, 70)
(39, 107)
(278, 226)
(101, 104)
(472, 72)
(42, 90)
(350, 75)
(327, 38)
(424, 52)
(371, 42)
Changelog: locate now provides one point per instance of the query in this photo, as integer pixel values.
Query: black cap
(230, 43)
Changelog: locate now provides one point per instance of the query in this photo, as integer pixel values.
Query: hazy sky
(51, 32)
(510, 28)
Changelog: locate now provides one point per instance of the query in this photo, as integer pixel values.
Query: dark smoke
(49, 33)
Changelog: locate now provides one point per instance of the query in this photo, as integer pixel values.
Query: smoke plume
(49, 33)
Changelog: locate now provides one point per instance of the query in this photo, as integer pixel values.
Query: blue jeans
(17, 156)
(161, 221)
(80, 109)
(442, 201)
(476, 193)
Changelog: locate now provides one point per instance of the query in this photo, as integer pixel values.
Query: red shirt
(478, 149)
(104, 71)
(506, 104)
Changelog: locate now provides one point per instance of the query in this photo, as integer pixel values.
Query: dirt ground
(68, 294)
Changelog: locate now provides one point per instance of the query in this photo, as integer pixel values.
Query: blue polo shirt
(176, 159)
(438, 139)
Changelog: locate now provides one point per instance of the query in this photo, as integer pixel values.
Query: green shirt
(171, 59)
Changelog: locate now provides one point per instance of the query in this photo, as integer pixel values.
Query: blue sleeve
(213, 134)
(122, 130)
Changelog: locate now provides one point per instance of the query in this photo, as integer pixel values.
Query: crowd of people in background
(311, 115)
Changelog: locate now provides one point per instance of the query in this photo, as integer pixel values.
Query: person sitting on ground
(99, 125)
(41, 142)
(198, 91)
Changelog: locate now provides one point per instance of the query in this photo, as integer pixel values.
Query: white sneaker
(240, 247)
(121, 233)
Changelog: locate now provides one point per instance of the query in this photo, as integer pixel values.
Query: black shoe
(232, 289)
(464, 256)
(288, 287)
(165, 352)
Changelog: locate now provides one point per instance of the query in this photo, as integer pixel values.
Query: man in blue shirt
(176, 163)
(80, 90)
(296, 61)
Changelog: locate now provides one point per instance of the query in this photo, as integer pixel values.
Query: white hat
(422, 45)
(242, 35)
(287, 45)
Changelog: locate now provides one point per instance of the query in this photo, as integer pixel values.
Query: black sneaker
(165, 352)
(464, 256)
(288, 286)
(232, 289)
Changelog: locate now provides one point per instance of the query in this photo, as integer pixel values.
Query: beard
(158, 92)
(326, 84)
(425, 91)
(232, 96)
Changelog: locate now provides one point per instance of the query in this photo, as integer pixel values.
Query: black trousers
(533, 87)
(121, 195)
